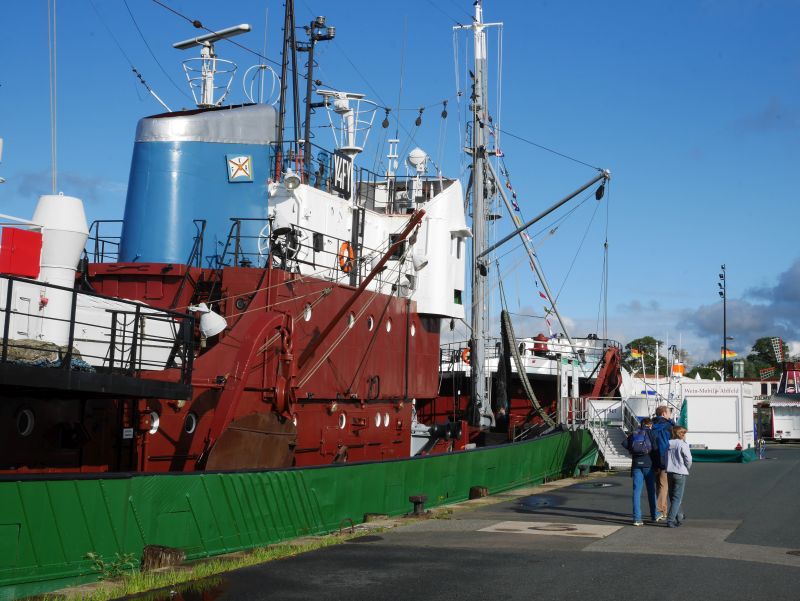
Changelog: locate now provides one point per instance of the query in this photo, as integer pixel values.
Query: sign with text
(342, 183)
(711, 389)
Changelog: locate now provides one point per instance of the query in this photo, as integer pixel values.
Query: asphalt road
(572, 543)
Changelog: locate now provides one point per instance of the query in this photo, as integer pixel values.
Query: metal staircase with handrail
(610, 421)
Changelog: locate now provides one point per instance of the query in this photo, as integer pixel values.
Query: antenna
(208, 39)
(2, 179)
(202, 78)
(355, 116)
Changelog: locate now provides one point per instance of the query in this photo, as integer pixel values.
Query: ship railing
(292, 248)
(572, 413)
(235, 253)
(90, 332)
(529, 430)
(611, 411)
(102, 246)
(390, 194)
(196, 253)
(590, 349)
(105, 235)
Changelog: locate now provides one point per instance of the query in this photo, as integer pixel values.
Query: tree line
(642, 351)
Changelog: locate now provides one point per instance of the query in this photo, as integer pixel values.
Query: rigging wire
(458, 95)
(542, 147)
(470, 16)
(332, 347)
(383, 105)
(150, 50)
(261, 78)
(111, 33)
(603, 301)
(532, 316)
(499, 92)
(577, 252)
(51, 47)
(402, 74)
(199, 25)
(441, 10)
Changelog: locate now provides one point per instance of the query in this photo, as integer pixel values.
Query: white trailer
(718, 415)
(785, 418)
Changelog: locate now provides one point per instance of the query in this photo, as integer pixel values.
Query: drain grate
(593, 485)
(554, 528)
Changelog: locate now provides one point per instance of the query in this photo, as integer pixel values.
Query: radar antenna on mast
(201, 77)
(355, 116)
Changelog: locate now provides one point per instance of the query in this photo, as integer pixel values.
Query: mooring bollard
(419, 504)
(478, 492)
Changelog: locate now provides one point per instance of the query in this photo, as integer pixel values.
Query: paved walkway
(575, 542)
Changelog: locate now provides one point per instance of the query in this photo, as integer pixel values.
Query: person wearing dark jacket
(642, 472)
(662, 432)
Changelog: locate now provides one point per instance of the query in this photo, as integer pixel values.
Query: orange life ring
(465, 356)
(346, 257)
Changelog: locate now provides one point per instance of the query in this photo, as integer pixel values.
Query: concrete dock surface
(740, 540)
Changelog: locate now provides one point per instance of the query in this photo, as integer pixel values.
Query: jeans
(647, 476)
(677, 483)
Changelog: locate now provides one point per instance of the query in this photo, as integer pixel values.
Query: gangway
(608, 420)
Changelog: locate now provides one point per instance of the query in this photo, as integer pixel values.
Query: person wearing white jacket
(679, 460)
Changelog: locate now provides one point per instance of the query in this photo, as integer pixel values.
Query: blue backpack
(639, 443)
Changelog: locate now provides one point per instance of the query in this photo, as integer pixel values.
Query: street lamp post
(723, 292)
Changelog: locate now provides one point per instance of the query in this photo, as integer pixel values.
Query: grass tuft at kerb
(139, 582)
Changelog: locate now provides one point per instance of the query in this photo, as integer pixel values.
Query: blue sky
(693, 106)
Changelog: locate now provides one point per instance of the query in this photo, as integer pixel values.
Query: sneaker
(660, 517)
(672, 525)
(639, 523)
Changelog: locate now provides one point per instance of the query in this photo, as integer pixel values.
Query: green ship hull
(49, 524)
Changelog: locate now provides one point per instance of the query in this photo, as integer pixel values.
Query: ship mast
(481, 409)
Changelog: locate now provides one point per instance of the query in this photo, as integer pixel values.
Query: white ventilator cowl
(64, 234)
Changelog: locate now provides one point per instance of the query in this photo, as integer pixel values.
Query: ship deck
(60, 382)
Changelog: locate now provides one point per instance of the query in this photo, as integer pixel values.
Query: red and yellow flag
(635, 353)
(723, 353)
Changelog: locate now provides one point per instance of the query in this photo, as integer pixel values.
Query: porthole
(307, 312)
(413, 330)
(154, 422)
(190, 423)
(386, 420)
(342, 420)
(370, 323)
(351, 320)
(377, 420)
(25, 422)
(388, 325)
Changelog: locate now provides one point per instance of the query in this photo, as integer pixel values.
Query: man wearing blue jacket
(641, 444)
(662, 432)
